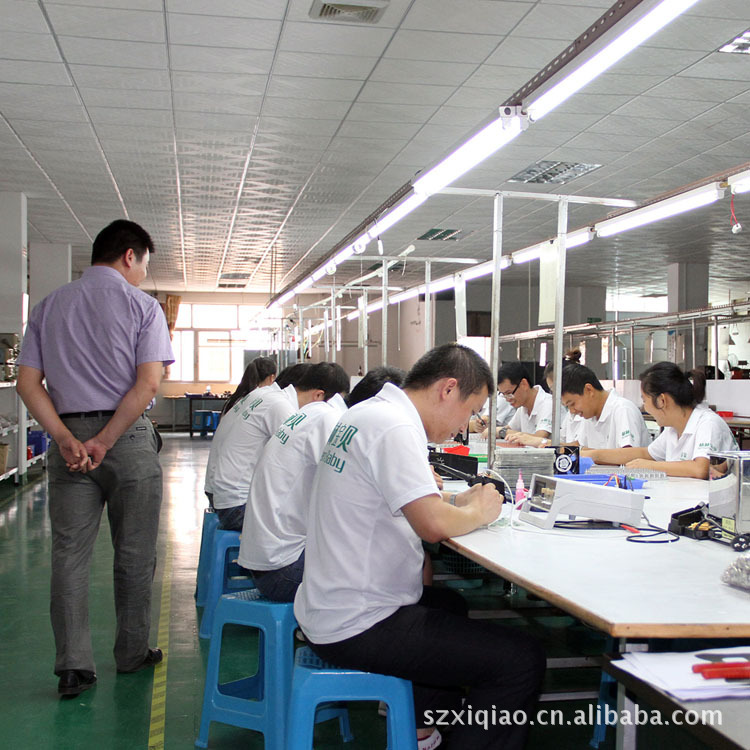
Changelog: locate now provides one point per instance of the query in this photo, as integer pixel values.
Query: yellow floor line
(159, 691)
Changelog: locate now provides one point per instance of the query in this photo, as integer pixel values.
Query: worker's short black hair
(515, 372)
(119, 237)
(291, 374)
(576, 377)
(325, 376)
(372, 383)
(451, 361)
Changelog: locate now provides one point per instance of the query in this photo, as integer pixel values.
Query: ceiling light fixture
(380, 246)
(677, 204)
(739, 183)
(396, 214)
(481, 145)
(605, 52)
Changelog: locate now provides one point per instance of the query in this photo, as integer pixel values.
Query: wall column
(49, 268)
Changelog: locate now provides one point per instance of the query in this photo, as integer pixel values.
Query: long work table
(626, 589)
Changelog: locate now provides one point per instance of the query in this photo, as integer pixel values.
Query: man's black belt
(88, 414)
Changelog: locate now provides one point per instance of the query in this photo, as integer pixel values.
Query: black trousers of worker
(435, 645)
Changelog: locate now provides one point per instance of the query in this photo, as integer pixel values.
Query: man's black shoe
(74, 682)
(154, 656)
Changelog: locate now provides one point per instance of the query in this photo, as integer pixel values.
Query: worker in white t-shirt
(504, 413)
(533, 404)
(237, 444)
(272, 545)
(362, 604)
(691, 431)
(609, 420)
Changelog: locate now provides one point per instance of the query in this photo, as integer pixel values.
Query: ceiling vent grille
(441, 234)
(233, 280)
(553, 172)
(740, 44)
(353, 11)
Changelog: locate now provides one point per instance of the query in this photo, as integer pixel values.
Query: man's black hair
(451, 361)
(576, 377)
(119, 237)
(372, 383)
(325, 376)
(515, 372)
(291, 374)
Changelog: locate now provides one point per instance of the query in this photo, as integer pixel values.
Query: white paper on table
(673, 672)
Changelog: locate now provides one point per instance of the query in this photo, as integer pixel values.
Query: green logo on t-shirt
(341, 436)
(295, 419)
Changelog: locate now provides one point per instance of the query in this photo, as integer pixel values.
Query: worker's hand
(642, 463)
(438, 478)
(74, 453)
(97, 450)
(485, 500)
(522, 438)
(477, 424)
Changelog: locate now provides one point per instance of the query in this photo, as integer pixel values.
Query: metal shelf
(32, 423)
(8, 430)
(7, 383)
(8, 474)
(36, 458)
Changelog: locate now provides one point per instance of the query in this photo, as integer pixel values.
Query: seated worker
(362, 604)
(503, 415)
(372, 382)
(237, 444)
(533, 405)
(258, 374)
(610, 421)
(570, 423)
(289, 377)
(690, 432)
(275, 525)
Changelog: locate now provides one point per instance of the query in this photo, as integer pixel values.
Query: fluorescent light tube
(285, 297)
(578, 238)
(396, 214)
(306, 284)
(319, 274)
(353, 315)
(403, 296)
(347, 252)
(637, 33)
(481, 145)
(740, 183)
(677, 204)
(440, 285)
(533, 252)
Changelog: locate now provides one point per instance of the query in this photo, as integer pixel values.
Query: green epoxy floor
(116, 713)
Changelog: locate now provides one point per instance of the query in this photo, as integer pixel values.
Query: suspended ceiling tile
(395, 113)
(703, 89)
(220, 60)
(625, 85)
(17, 45)
(25, 17)
(105, 77)
(441, 46)
(116, 53)
(264, 9)
(129, 116)
(299, 87)
(314, 108)
(154, 5)
(126, 98)
(211, 31)
(468, 16)
(33, 72)
(345, 39)
(528, 52)
(106, 23)
(721, 9)
(656, 107)
(721, 66)
(698, 33)
(218, 83)
(307, 64)
(422, 72)
(217, 103)
(564, 22)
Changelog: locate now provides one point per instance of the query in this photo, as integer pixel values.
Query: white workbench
(624, 589)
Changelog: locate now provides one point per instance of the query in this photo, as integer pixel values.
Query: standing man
(101, 345)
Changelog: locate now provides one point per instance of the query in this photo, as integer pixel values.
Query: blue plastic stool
(259, 702)
(316, 682)
(219, 579)
(210, 524)
(205, 420)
